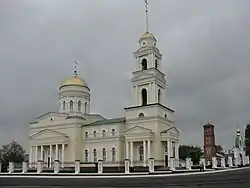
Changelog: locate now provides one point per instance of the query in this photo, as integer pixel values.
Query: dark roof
(151, 105)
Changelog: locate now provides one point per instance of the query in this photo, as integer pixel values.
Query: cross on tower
(75, 68)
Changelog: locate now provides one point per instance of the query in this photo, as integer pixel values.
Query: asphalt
(230, 179)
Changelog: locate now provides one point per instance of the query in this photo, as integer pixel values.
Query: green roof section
(107, 121)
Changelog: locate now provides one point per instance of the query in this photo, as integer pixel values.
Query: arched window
(71, 104)
(113, 154)
(79, 106)
(165, 115)
(103, 133)
(141, 156)
(144, 64)
(159, 96)
(113, 132)
(144, 97)
(95, 155)
(85, 107)
(95, 134)
(141, 115)
(156, 64)
(86, 135)
(64, 105)
(104, 154)
(86, 155)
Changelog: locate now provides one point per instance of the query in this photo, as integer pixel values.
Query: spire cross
(146, 8)
(75, 68)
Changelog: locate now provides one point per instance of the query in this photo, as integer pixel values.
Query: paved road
(229, 179)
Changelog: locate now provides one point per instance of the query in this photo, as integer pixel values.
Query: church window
(166, 148)
(156, 64)
(95, 155)
(141, 115)
(86, 155)
(144, 97)
(86, 135)
(113, 154)
(159, 95)
(94, 134)
(207, 140)
(103, 133)
(104, 154)
(71, 106)
(173, 146)
(113, 132)
(79, 106)
(64, 105)
(144, 64)
(85, 107)
(165, 115)
(141, 154)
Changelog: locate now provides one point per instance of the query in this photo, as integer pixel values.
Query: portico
(48, 146)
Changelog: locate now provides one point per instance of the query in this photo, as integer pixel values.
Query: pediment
(51, 114)
(138, 130)
(171, 130)
(48, 134)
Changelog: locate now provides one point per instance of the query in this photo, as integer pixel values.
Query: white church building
(145, 130)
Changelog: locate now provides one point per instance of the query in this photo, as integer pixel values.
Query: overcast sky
(206, 57)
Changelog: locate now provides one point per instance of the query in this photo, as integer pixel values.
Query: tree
(219, 149)
(193, 152)
(247, 139)
(12, 152)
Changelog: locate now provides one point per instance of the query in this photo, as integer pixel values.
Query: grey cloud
(206, 59)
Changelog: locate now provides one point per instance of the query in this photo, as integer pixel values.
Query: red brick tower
(209, 142)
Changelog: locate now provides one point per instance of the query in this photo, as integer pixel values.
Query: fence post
(100, 167)
(126, 166)
(56, 166)
(39, 166)
(214, 162)
(11, 167)
(230, 161)
(172, 164)
(77, 167)
(151, 165)
(188, 163)
(24, 167)
(222, 161)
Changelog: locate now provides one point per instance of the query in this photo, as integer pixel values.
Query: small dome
(147, 35)
(75, 80)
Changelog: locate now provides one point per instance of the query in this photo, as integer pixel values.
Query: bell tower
(148, 79)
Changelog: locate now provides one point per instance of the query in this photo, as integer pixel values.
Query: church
(146, 130)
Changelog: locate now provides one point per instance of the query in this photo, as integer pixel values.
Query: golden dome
(147, 35)
(74, 80)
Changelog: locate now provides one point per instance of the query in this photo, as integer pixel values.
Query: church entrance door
(166, 160)
(48, 162)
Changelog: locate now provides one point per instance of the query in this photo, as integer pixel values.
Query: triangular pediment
(47, 134)
(138, 130)
(172, 130)
(51, 114)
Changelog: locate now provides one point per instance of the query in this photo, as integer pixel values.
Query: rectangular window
(86, 156)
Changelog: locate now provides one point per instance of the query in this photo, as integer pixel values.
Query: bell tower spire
(146, 10)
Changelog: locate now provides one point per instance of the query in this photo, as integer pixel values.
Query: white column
(131, 153)
(144, 153)
(126, 166)
(169, 149)
(56, 152)
(50, 155)
(137, 99)
(30, 157)
(63, 146)
(127, 150)
(149, 149)
(41, 154)
(36, 154)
